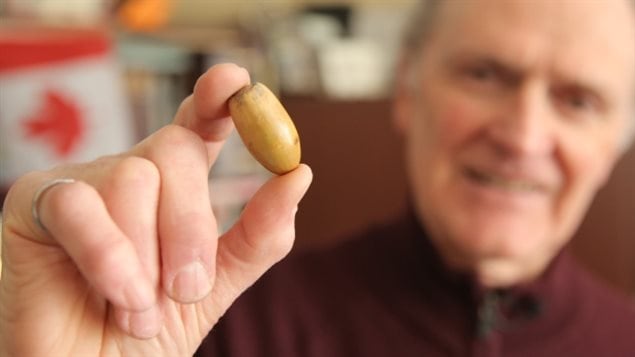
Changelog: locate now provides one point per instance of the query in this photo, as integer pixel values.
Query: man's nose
(523, 126)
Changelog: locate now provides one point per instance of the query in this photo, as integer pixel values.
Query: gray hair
(420, 27)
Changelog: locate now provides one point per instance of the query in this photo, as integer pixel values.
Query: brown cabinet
(359, 180)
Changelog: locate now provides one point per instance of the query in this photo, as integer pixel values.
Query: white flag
(61, 100)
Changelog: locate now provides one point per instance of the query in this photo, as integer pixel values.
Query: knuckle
(274, 245)
(18, 189)
(200, 222)
(185, 106)
(67, 201)
(106, 256)
(175, 136)
(283, 244)
(135, 171)
(173, 145)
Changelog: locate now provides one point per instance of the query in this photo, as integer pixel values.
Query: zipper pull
(488, 314)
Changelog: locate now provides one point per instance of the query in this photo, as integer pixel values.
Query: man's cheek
(456, 122)
(585, 164)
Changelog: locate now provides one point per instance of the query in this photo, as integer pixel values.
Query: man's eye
(480, 73)
(483, 78)
(580, 102)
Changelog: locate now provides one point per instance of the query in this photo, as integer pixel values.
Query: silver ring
(35, 203)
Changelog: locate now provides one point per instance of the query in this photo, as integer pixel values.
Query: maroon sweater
(386, 293)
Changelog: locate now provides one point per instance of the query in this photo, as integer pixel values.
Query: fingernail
(191, 283)
(145, 324)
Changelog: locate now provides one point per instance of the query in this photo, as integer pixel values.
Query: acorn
(265, 128)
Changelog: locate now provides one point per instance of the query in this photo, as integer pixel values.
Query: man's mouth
(502, 182)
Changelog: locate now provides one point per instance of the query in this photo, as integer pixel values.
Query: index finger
(206, 111)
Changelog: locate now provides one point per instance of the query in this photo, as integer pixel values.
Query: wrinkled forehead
(593, 39)
(596, 25)
(560, 13)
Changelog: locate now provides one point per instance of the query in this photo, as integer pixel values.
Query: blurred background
(85, 78)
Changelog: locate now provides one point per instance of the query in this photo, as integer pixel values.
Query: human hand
(131, 262)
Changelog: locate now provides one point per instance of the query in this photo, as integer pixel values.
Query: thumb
(263, 235)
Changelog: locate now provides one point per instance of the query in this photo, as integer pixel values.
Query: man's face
(513, 122)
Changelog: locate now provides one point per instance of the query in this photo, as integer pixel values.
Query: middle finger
(186, 225)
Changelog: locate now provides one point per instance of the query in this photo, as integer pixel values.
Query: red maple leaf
(58, 122)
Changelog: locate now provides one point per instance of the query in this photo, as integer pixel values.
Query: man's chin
(505, 272)
(498, 255)
(514, 262)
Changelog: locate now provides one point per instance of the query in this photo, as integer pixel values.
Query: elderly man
(513, 114)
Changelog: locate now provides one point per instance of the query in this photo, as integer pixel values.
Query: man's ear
(403, 96)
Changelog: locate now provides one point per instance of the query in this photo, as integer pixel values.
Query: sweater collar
(547, 297)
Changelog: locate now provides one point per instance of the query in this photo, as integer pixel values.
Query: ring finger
(131, 196)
